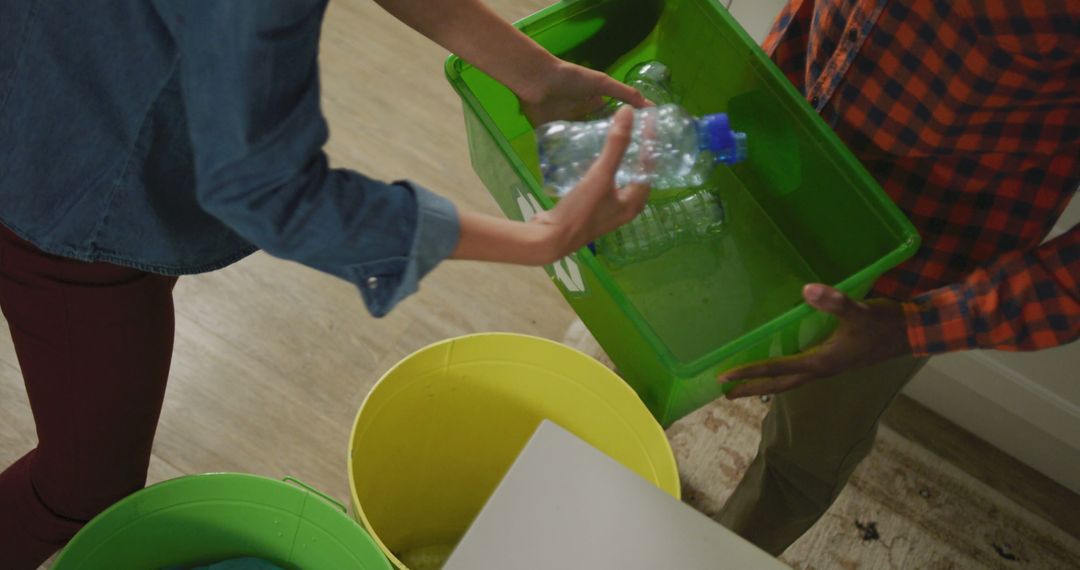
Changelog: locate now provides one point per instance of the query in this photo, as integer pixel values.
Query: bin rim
(209, 478)
(671, 476)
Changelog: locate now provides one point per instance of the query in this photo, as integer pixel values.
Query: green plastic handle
(307, 487)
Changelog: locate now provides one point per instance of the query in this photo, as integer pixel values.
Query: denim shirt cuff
(384, 284)
(438, 229)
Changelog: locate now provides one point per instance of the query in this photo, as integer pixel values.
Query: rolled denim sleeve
(250, 81)
(437, 233)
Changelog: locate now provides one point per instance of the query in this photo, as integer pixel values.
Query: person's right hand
(566, 91)
(595, 207)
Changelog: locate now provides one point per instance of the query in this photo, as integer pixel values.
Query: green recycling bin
(801, 209)
(200, 519)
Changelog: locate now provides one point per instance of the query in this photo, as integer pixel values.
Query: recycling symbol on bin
(565, 270)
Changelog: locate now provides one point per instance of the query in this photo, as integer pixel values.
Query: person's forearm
(486, 238)
(1023, 301)
(471, 30)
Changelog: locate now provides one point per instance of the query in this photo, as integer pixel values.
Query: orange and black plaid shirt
(967, 113)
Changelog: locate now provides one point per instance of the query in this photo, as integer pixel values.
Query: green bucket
(201, 519)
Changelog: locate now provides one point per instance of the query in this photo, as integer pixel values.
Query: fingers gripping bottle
(653, 80)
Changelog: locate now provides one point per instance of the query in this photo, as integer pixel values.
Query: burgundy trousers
(94, 341)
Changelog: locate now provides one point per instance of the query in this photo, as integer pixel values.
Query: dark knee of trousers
(797, 481)
(80, 503)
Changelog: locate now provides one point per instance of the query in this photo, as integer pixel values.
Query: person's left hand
(868, 332)
(569, 91)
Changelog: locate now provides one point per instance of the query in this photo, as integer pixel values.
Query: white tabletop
(566, 505)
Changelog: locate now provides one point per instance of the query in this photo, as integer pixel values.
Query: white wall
(756, 16)
(1026, 404)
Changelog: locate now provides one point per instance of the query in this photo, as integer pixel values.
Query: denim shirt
(178, 137)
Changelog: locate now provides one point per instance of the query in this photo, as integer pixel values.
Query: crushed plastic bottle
(669, 148)
(661, 226)
(653, 80)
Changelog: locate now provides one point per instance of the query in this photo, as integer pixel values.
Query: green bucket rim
(325, 513)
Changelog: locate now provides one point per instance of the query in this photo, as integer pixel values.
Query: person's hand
(595, 207)
(868, 333)
(547, 87)
(569, 91)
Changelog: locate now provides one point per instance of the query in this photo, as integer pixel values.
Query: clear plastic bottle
(661, 226)
(653, 80)
(669, 148)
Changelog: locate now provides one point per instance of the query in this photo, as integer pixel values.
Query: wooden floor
(272, 359)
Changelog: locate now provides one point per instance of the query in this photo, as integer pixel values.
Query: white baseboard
(1014, 411)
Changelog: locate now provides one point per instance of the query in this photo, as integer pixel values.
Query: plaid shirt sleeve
(966, 114)
(1023, 301)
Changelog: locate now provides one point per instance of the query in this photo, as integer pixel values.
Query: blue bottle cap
(717, 137)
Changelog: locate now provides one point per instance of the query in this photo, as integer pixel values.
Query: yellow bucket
(440, 430)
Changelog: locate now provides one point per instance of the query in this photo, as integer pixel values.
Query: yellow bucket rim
(668, 473)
